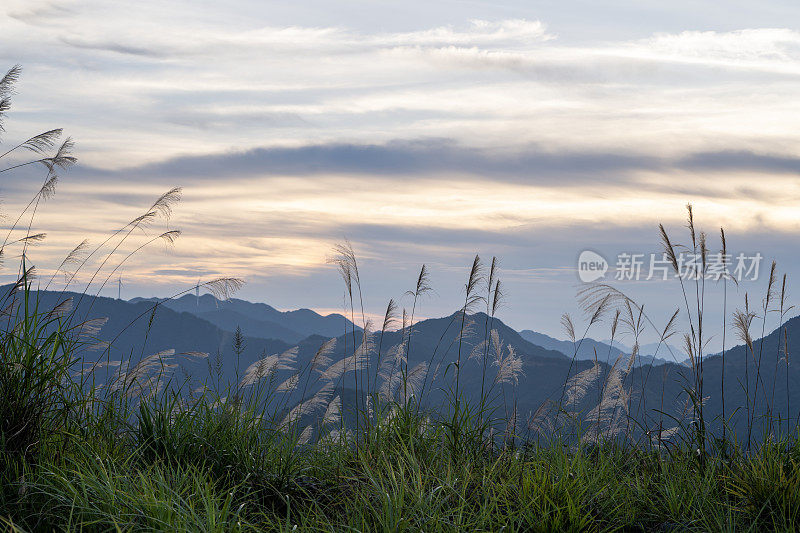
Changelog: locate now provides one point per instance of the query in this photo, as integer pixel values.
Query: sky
(423, 132)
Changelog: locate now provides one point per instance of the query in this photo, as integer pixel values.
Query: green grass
(399, 480)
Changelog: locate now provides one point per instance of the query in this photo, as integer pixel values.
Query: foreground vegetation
(75, 460)
(86, 448)
(70, 461)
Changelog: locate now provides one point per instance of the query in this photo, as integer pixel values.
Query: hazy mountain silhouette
(666, 352)
(588, 349)
(258, 319)
(740, 362)
(140, 327)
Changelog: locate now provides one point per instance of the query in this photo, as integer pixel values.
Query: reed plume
(322, 355)
(412, 382)
(470, 299)
(267, 366)
(333, 412)
(578, 385)
(389, 318)
(509, 365)
(319, 401)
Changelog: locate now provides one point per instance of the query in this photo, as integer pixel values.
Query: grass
(128, 461)
(201, 468)
(137, 451)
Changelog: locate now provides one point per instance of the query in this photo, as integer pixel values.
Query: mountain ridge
(258, 319)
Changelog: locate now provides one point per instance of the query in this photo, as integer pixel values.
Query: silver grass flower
(578, 386)
(413, 382)
(290, 384)
(310, 406)
(322, 357)
(268, 366)
(333, 412)
(305, 436)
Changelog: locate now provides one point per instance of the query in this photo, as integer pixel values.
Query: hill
(258, 319)
(590, 349)
(140, 327)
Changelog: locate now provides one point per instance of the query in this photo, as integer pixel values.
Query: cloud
(138, 87)
(41, 13)
(184, 272)
(740, 160)
(423, 157)
(185, 41)
(747, 46)
(421, 132)
(514, 32)
(210, 118)
(111, 46)
(433, 158)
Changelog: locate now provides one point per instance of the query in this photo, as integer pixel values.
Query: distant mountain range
(667, 353)
(589, 349)
(258, 319)
(141, 327)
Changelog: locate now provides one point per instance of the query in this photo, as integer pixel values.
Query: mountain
(771, 386)
(666, 352)
(588, 349)
(258, 319)
(434, 344)
(777, 381)
(138, 328)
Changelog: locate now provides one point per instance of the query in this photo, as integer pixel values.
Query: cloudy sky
(424, 132)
